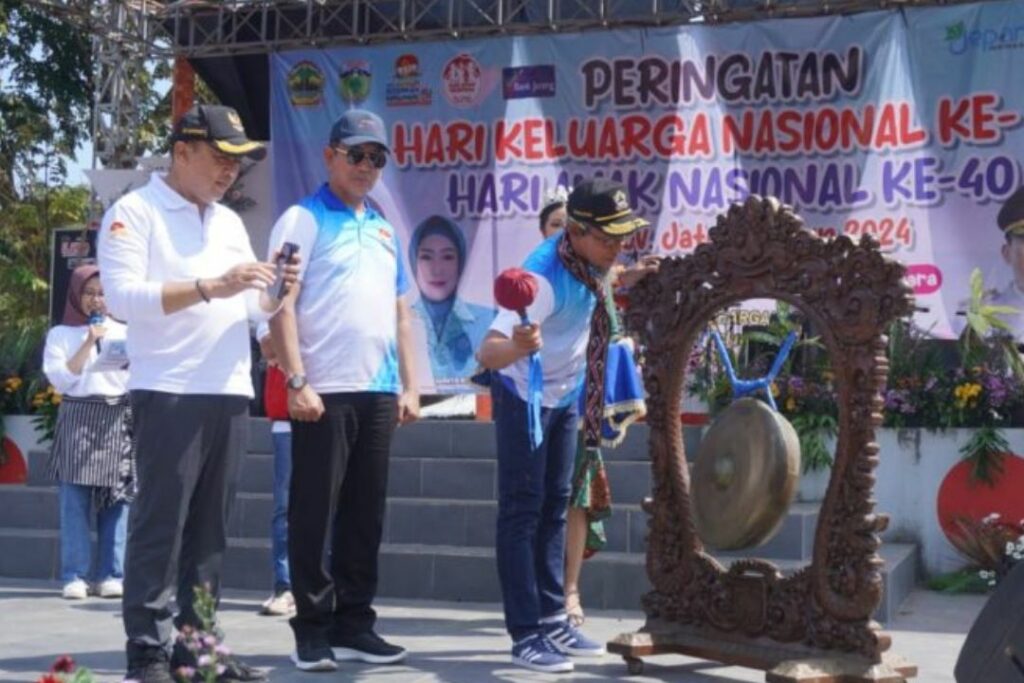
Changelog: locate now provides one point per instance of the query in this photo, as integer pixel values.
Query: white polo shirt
(154, 235)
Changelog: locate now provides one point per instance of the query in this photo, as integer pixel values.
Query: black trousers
(188, 451)
(336, 513)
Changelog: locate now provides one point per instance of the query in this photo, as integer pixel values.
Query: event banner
(902, 125)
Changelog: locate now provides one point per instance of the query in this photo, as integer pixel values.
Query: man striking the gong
(534, 480)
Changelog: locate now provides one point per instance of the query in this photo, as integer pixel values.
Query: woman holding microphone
(91, 458)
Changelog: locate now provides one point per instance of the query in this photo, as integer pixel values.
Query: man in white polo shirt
(343, 341)
(180, 268)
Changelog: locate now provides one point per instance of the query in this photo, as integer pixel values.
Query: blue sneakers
(538, 653)
(567, 639)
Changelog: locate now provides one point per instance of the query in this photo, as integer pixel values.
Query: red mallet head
(515, 289)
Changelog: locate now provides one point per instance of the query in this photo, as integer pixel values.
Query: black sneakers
(314, 657)
(148, 665)
(366, 647)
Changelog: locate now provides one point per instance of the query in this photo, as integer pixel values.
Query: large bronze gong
(745, 476)
(814, 624)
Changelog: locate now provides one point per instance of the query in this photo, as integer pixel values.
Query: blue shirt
(563, 308)
(352, 276)
(452, 349)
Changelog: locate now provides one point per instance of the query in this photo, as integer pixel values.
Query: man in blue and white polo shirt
(534, 483)
(343, 339)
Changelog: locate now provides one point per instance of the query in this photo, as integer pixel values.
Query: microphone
(97, 318)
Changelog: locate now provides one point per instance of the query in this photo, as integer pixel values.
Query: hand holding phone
(288, 250)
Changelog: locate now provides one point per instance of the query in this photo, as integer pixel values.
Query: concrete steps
(440, 523)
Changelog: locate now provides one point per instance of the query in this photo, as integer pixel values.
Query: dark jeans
(336, 513)
(533, 497)
(279, 518)
(188, 451)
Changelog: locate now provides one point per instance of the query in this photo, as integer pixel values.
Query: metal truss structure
(126, 33)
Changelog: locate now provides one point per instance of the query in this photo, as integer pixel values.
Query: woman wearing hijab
(91, 458)
(454, 328)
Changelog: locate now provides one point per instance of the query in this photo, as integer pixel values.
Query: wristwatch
(296, 382)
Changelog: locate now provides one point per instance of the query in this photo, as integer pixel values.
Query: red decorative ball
(515, 289)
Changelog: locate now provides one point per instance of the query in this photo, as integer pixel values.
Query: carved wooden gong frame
(749, 613)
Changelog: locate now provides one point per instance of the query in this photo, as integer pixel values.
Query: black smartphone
(288, 249)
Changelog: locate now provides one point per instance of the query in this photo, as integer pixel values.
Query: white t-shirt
(63, 341)
(154, 235)
(352, 275)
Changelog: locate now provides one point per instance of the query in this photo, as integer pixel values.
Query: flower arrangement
(64, 670)
(975, 382)
(21, 378)
(45, 404)
(203, 644)
(992, 545)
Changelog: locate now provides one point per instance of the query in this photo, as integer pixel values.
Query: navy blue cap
(357, 127)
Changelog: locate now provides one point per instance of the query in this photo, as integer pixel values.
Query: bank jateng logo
(305, 84)
(528, 81)
(960, 40)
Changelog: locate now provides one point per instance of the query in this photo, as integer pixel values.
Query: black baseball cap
(357, 127)
(1011, 216)
(221, 127)
(603, 204)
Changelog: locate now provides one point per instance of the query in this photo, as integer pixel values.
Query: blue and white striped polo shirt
(562, 308)
(352, 275)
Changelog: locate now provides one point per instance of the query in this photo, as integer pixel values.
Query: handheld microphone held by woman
(97, 318)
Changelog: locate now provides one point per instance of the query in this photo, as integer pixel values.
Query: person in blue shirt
(571, 332)
(454, 327)
(343, 342)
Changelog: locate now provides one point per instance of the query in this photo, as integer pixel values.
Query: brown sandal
(573, 608)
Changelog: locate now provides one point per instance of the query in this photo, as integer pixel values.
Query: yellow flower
(55, 399)
(775, 389)
(12, 384)
(790, 404)
(967, 394)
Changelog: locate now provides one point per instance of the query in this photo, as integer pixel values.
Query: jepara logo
(1006, 37)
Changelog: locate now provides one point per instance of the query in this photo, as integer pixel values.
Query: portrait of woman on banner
(452, 327)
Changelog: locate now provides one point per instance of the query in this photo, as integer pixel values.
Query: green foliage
(25, 234)
(985, 451)
(45, 99)
(986, 330)
(962, 581)
(814, 431)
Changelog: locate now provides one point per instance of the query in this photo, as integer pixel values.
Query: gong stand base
(782, 663)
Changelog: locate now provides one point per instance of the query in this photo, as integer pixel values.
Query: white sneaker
(282, 604)
(110, 588)
(75, 590)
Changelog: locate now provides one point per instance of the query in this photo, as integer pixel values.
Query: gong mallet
(744, 387)
(515, 289)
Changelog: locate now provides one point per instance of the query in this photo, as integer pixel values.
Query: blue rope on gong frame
(744, 387)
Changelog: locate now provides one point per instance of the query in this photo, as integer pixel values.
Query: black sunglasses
(355, 156)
